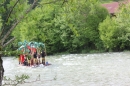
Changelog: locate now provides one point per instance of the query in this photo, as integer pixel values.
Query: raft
(22, 61)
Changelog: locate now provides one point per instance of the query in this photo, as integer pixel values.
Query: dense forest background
(75, 26)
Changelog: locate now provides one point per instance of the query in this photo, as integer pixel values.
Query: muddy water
(105, 69)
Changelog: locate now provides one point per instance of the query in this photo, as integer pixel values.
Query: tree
(115, 32)
(71, 27)
(107, 32)
(86, 18)
(12, 12)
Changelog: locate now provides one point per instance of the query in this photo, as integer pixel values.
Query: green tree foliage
(106, 1)
(115, 32)
(12, 12)
(107, 33)
(86, 21)
(96, 15)
(71, 27)
(122, 20)
(80, 25)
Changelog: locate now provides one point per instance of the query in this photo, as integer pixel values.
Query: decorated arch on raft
(27, 48)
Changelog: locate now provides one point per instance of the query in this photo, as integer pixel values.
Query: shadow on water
(105, 69)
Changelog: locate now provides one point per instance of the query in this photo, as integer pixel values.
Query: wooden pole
(45, 50)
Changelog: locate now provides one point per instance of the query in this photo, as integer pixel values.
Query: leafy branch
(21, 80)
(18, 21)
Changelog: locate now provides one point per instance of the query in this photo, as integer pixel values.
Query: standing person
(32, 59)
(43, 54)
(38, 58)
(29, 59)
(35, 58)
(25, 63)
(21, 59)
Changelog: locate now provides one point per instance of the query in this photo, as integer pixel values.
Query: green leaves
(115, 32)
(69, 27)
(107, 31)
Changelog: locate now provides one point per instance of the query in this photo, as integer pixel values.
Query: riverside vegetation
(64, 26)
(75, 27)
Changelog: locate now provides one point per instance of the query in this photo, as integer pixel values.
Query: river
(104, 69)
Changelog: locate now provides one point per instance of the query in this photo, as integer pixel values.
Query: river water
(104, 69)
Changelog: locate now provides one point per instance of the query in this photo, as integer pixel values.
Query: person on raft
(38, 59)
(35, 58)
(25, 63)
(29, 59)
(43, 54)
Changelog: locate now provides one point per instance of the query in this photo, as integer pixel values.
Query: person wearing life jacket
(21, 59)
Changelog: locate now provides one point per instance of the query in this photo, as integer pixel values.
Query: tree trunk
(1, 69)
